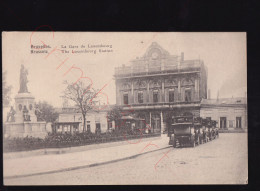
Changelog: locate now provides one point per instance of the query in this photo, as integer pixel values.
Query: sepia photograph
(124, 108)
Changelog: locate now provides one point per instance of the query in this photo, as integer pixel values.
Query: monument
(22, 121)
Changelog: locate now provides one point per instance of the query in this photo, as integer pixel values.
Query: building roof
(224, 101)
(75, 109)
(151, 63)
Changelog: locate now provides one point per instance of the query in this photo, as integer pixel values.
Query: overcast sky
(223, 53)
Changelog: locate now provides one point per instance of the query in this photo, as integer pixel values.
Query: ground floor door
(223, 122)
(238, 122)
(98, 128)
(156, 125)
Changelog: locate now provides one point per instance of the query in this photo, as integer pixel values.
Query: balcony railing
(166, 104)
(186, 66)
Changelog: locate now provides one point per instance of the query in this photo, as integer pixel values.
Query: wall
(229, 112)
(91, 118)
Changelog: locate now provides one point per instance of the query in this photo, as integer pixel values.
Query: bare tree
(83, 96)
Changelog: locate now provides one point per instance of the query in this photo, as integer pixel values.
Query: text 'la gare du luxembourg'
(101, 48)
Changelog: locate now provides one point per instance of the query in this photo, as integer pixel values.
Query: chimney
(182, 56)
(208, 93)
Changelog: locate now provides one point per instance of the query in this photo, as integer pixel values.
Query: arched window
(187, 95)
(155, 96)
(125, 98)
(140, 97)
(171, 95)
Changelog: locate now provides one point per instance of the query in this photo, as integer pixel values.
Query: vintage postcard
(124, 108)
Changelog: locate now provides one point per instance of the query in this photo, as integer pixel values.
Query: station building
(158, 85)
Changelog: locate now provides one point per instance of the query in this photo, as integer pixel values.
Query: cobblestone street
(221, 161)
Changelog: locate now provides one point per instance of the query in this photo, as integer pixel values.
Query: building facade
(159, 85)
(231, 113)
(96, 121)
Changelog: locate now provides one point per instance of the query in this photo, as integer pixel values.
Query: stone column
(132, 87)
(196, 89)
(163, 92)
(150, 120)
(147, 95)
(162, 121)
(179, 90)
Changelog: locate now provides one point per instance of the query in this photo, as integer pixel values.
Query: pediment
(155, 51)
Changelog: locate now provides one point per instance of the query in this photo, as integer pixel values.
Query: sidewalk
(43, 164)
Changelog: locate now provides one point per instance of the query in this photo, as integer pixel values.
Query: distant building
(231, 113)
(70, 120)
(158, 85)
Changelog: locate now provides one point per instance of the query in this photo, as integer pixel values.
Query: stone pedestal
(24, 100)
(36, 129)
(22, 127)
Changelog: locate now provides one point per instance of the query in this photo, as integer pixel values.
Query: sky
(224, 54)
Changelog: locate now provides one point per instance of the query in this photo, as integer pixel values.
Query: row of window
(75, 128)
(140, 96)
(223, 122)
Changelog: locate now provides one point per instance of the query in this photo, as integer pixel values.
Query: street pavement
(221, 161)
(41, 164)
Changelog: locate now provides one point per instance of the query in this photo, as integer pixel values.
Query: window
(140, 97)
(188, 95)
(223, 122)
(88, 125)
(155, 96)
(238, 122)
(209, 118)
(171, 95)
(125, 98)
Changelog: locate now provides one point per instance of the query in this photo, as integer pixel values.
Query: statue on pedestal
(23, 80)
(11, 114)
(38, 114)
(26, 115)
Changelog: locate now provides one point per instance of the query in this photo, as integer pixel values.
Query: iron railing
(187, 66)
